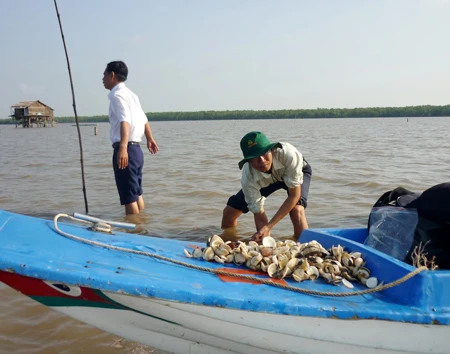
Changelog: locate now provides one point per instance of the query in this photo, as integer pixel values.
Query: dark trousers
(129, 180)
(237, 201)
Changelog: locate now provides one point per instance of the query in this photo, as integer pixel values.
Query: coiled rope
(102, 227)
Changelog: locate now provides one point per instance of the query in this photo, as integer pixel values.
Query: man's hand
(263, 226)
(122, 157)
(262, 232)
(152, 147)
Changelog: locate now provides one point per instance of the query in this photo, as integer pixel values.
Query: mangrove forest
(371, 112)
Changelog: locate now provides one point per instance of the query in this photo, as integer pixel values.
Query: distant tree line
(371, 112)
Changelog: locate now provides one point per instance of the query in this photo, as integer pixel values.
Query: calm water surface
(187, 184)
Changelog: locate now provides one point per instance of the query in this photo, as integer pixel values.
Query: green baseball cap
(255, 144)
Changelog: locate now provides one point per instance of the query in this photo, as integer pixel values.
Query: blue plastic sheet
(391, 230)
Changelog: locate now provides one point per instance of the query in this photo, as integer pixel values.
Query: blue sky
(192, 55)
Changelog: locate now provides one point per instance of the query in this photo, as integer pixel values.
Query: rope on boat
(222, 272)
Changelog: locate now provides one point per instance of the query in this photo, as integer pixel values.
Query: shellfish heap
(283, 259)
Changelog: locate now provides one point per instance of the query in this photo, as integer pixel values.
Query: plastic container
(391, 230)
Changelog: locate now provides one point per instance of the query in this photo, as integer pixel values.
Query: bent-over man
(266, 168)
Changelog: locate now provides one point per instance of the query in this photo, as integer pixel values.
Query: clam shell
(266, 251)
(313, 272)
(214, 239)
(292, 263)
(290, 243)
(253, 245)
(208, 254)
(358, 262)
(314, 251)
(255, 260)
(264, 267)
(221, 250)
(336, 279)
(197, 253)
(372, 282)
(219, 259)
(272, 270)
(269, 241)
(239, 258)
(253, 253)
(347, 283)
(300, 275)
(286, 273)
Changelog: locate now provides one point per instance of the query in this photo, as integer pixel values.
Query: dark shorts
(237, 201)
(129, 180)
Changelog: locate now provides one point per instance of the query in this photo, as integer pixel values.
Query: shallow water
(187, 184)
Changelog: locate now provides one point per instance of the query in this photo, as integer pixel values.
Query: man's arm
(122, 156)
(261, 219)
(151, 143)
(285, 208)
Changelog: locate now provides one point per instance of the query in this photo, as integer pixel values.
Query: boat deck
(32, 247)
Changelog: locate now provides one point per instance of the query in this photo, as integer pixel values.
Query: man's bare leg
(229, 223)
(298, 218)
(230, 216)
(131, 208)
(140, 203)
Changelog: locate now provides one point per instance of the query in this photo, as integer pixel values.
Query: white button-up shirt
(124, 106)
(287, 166)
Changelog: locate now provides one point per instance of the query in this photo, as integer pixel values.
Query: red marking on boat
(230, 278)
(194, 246)
(37, 287)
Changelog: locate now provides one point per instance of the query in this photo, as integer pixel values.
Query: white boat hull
(147, 290)
(202, 329)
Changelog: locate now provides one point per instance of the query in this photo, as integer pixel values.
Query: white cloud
(29, 89)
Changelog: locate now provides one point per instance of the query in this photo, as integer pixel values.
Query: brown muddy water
(187, 184)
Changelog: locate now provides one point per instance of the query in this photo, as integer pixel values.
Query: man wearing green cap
(267, 167)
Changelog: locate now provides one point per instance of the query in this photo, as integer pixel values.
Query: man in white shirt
(128, 125)
(267, 167)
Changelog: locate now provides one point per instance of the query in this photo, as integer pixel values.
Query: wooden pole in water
(74, 108)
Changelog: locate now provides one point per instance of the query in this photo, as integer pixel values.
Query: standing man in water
(128, 125)
(267, 167)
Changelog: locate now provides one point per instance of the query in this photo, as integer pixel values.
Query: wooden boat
(145, 289)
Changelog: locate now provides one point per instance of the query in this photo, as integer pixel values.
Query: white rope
(96, 226)
(222, 272)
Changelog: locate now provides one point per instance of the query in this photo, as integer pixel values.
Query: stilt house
(28, 113)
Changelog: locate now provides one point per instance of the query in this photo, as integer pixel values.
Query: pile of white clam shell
(284, 259)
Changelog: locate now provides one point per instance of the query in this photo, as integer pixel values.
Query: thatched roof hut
(29, 112)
